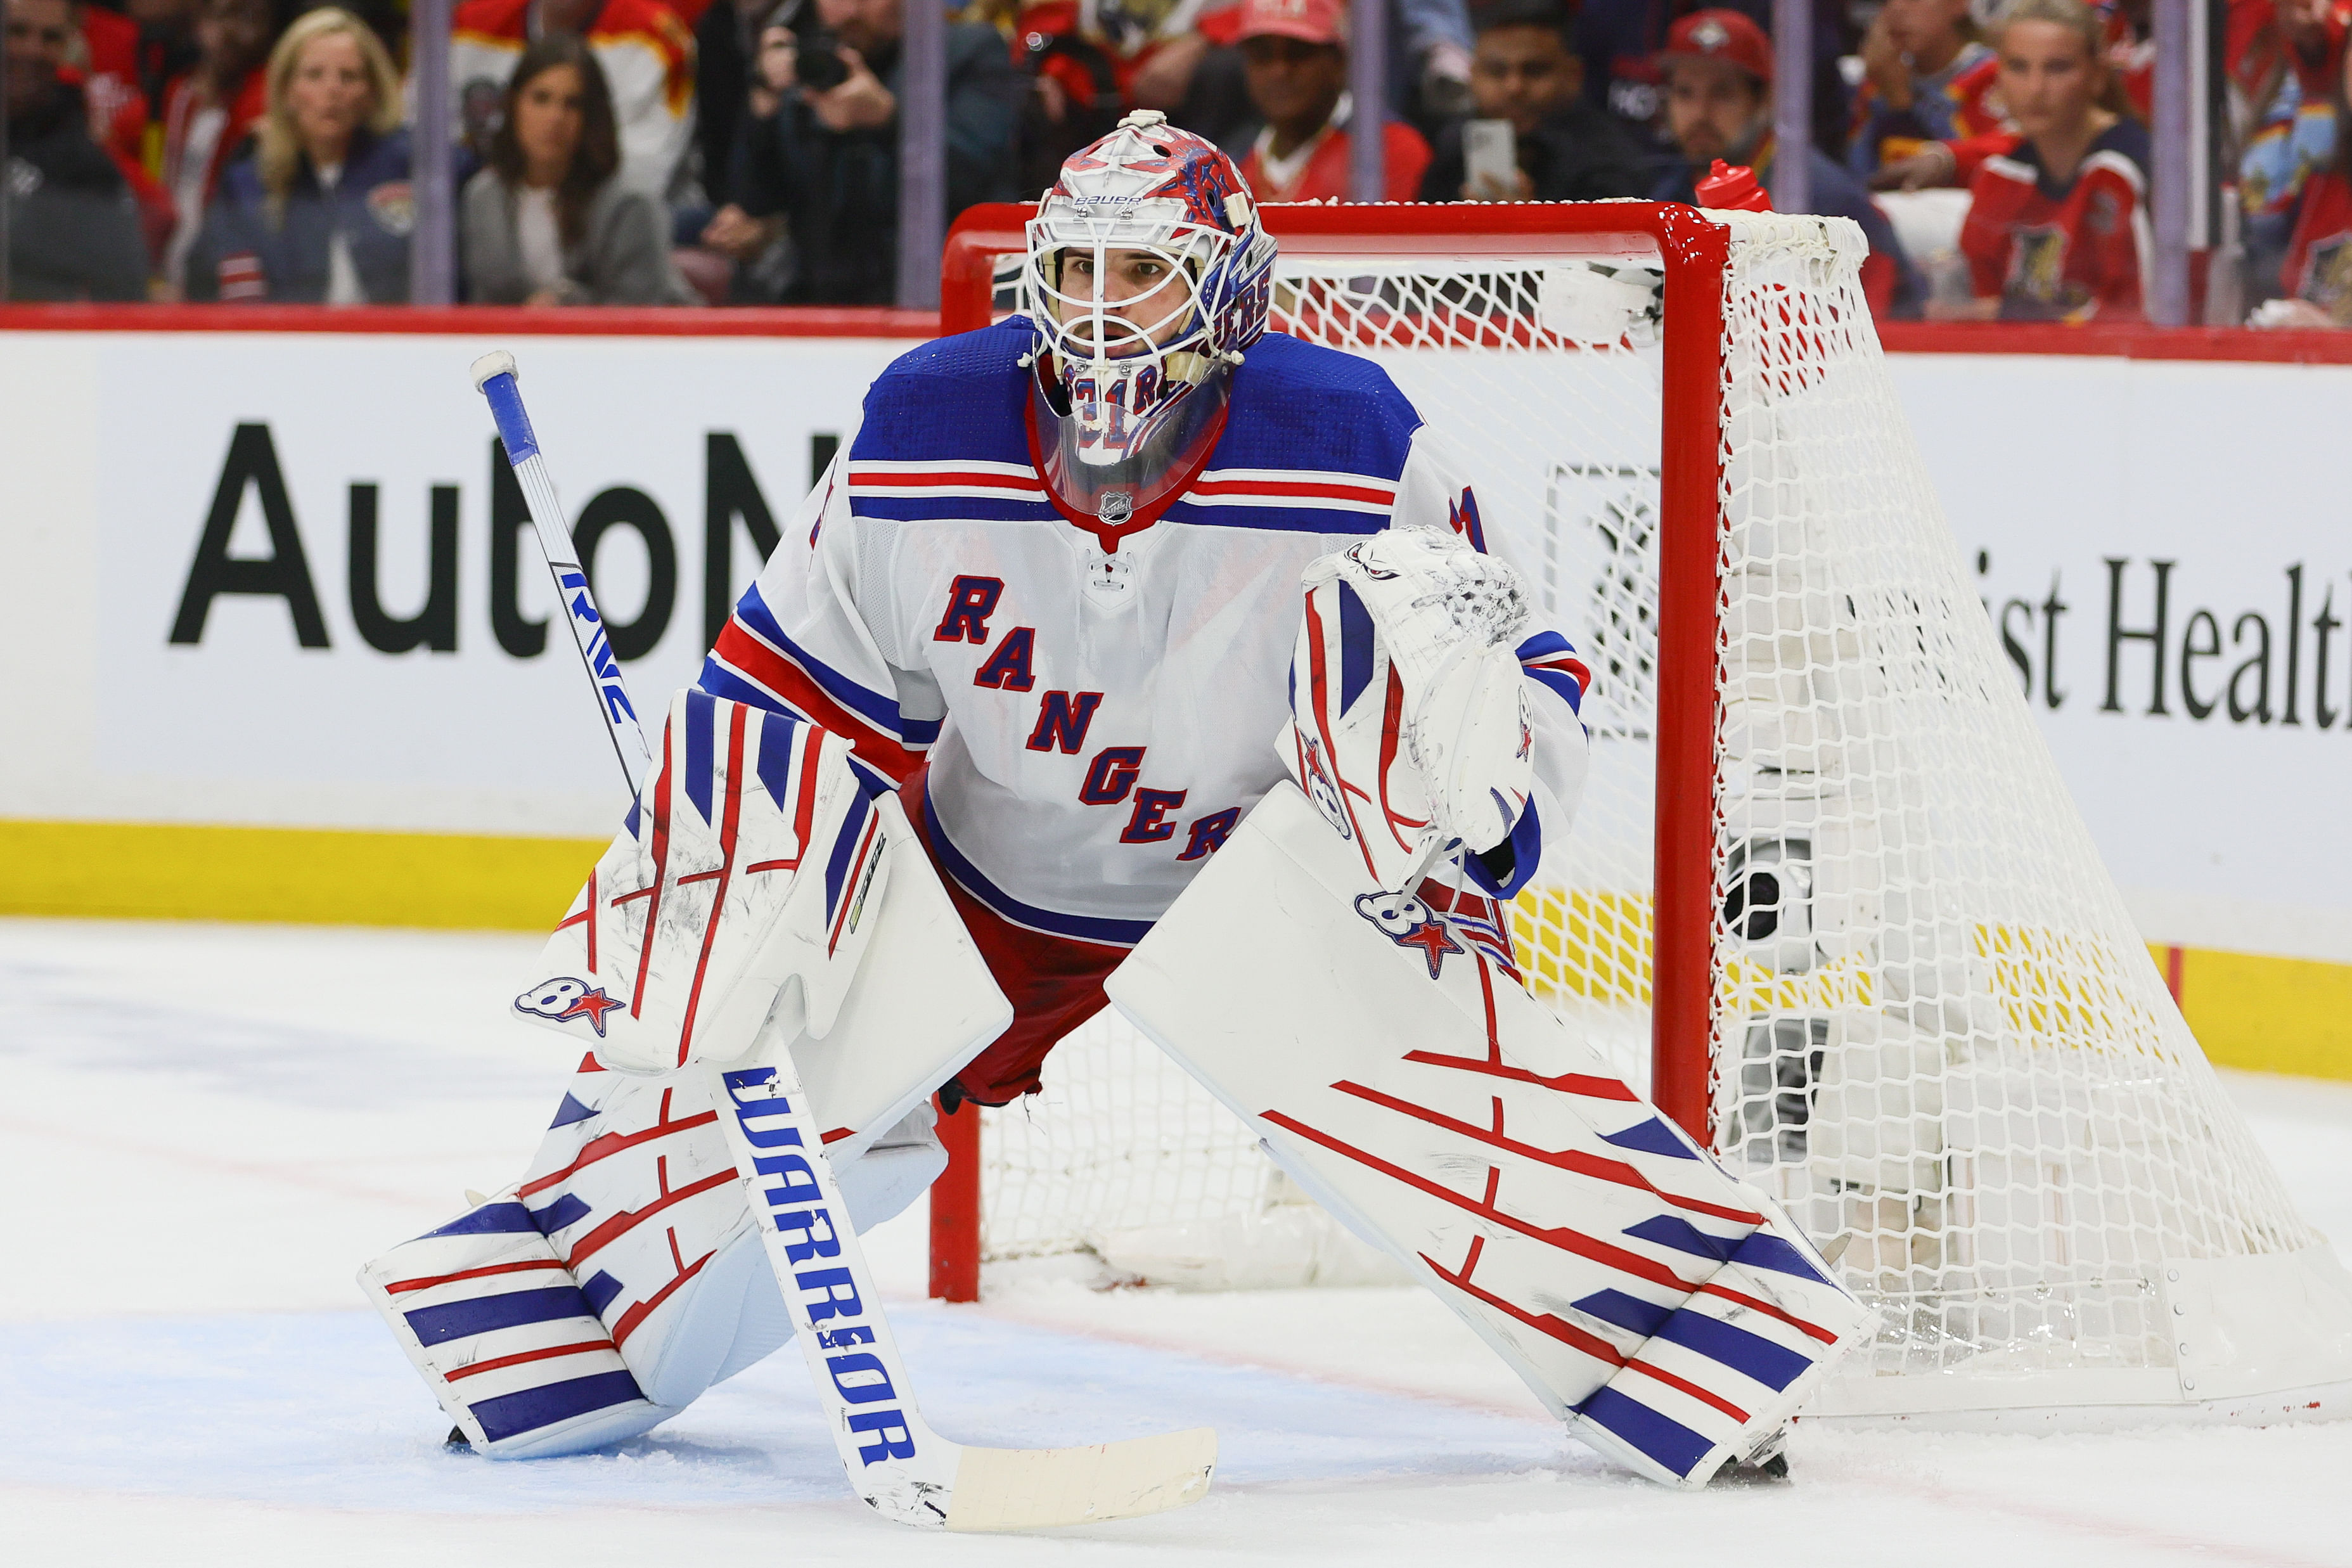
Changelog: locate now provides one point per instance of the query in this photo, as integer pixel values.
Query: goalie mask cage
(1826, 897)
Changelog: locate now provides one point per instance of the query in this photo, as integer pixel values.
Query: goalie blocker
(788, 906)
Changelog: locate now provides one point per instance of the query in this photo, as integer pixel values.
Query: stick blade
(1039, 1489)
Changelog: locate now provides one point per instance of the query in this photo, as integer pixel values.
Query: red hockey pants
(1054, 983)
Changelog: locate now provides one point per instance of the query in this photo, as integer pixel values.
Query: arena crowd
(746, 152)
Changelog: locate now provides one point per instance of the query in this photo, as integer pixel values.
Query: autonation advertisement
(315, 596)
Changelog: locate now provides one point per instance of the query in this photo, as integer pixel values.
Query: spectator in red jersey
(2317, 273)
(1294, 61)
(73, 227)
(1091, 61)
(2058, 229)
(2282, 57)
(1076, 92)
(1923, 116)
(207, 114)
(1718, 70)
(105, 65)
(1150, 46)
(1158, 46)
(110, 82)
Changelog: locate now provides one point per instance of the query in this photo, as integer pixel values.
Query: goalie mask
(1147, 276)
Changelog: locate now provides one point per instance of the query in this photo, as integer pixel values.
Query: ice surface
(205, 1129)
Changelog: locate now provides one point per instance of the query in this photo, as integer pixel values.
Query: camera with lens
(820, 67)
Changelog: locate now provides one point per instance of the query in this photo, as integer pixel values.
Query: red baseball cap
(1308, 21)
(1720, 35)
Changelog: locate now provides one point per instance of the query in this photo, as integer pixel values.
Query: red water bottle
(1732, 187)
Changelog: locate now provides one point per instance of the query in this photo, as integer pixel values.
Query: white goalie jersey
(1097, 705)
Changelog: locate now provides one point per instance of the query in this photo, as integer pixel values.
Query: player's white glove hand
(1447, 619)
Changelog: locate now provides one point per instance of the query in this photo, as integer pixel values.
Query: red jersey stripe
(791, 687)
(1363, 494)
(945, 479)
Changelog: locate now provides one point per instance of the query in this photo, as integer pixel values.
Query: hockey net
(1911, 1002)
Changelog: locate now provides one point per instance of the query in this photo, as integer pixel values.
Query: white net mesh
(1936, 1033)
(1121, 1141)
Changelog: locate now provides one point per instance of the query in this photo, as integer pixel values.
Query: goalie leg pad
(633, 1211)
(505, 1338)
(621, 1278)
(1671, 1313)
(763, 889)
(1718, 1374)
(632, 1218)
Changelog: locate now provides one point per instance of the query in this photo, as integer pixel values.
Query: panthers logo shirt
(2318, 266)
(2061, 252)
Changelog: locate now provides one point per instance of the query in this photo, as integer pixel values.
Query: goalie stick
(895, 1463)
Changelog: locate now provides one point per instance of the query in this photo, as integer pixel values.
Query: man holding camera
(823, 166)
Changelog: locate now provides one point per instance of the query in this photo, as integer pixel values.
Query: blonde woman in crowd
(318, 209)
(2057, 230)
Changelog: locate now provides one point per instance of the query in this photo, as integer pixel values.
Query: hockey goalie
(1131, 651)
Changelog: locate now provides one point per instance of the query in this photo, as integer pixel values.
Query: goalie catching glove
(1410, 727)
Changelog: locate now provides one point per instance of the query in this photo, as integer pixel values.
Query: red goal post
(1693, 251)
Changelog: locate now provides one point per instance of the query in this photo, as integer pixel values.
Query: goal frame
(1694, 252)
